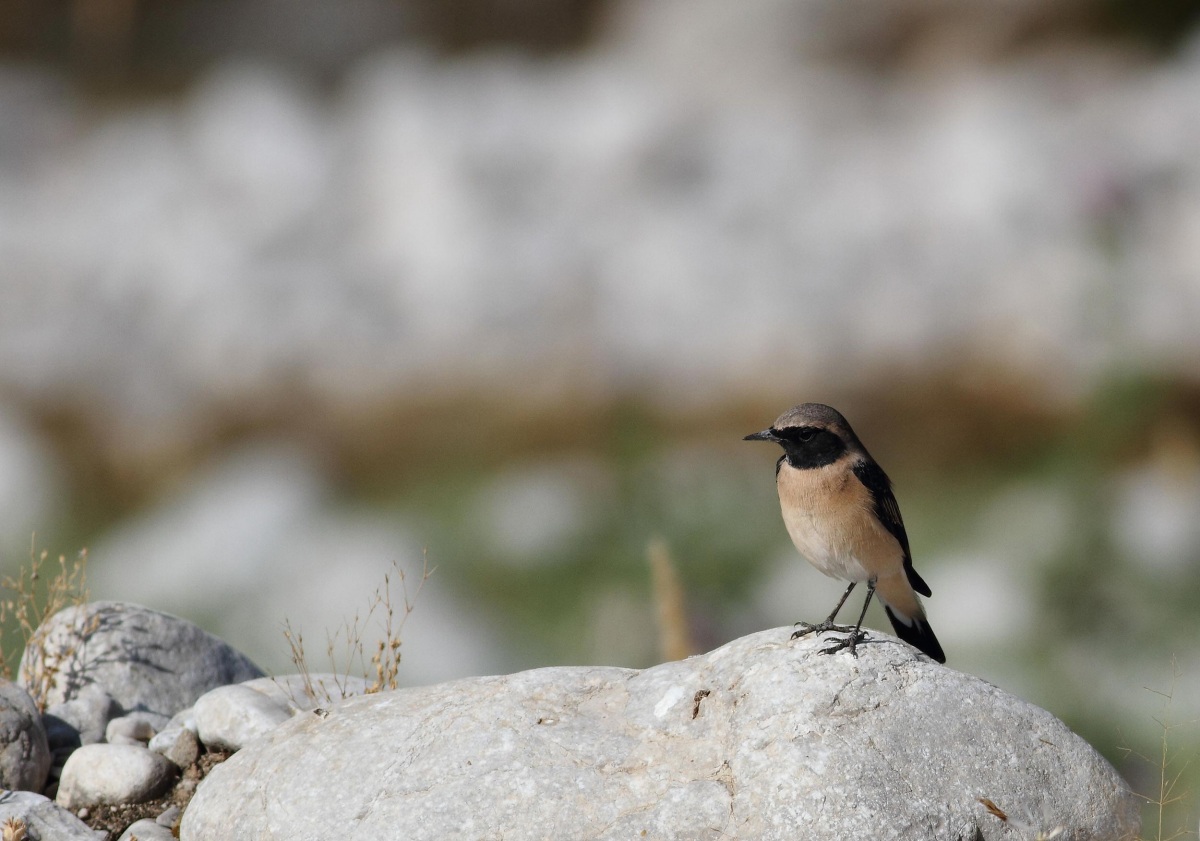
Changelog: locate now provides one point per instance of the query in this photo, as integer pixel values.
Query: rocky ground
(762, 738)
(138, 707)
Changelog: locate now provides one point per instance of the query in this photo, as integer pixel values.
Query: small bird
(840, 512)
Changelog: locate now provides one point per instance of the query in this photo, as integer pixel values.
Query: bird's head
(811, 434)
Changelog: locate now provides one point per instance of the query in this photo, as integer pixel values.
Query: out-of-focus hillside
(292, 291)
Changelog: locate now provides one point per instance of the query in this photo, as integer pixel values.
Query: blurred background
(293, 291)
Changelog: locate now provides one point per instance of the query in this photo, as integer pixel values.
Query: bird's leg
(855, 635)
(807, 628)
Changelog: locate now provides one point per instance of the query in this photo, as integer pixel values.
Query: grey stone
(88, 711)
(146, 830)
(170, 817)
(62, 736)
(145, 660)
(24, 750)
(44, 819)
(178, 744)
(133, 729)
(764, 738)
(113, 774)
(178, 740)
(183, 718)
(229, 717)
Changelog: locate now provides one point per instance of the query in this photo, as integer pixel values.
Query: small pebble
(178, 744)
(146, 830)
(169, 818)
(133, 729)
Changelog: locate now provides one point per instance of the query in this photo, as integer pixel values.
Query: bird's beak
(765, 435)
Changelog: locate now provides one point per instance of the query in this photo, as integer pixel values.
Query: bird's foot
(850, 643)
(807, 628)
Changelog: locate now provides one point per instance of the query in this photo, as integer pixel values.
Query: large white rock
(764, 738)
(141, 659)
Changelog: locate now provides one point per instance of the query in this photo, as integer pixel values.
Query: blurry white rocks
(763, 738)
(119, 683)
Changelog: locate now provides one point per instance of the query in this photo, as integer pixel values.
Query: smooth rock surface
(229, 717)
(45, 819)
(146, 830)
(87, 713)
(113, 774)
(144, 660)
(24, 749)
(132, 729)
(761, 739)
(170, 817)
(178, 744)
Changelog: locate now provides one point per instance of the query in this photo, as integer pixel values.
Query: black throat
(805, 448)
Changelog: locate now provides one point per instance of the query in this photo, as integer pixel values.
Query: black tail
(917, 633)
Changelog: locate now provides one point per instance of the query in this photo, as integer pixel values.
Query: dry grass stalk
(347, 649)
(14, 829)
(674, 637)
(1170, 769)
(1030, 829)
(32, 596)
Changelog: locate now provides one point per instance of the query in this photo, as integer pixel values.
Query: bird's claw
(850, 643)
(807, 628)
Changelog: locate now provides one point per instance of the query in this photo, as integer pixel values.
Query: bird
(840, 511)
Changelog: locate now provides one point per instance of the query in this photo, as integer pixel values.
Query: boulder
(764, 738)
(111, 658)
(24, 749)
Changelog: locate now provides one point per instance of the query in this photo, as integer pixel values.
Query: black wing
(887, 511)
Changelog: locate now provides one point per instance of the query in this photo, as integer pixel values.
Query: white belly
(831, 553)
